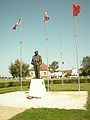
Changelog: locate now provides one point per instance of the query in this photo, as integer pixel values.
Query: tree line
(14, 68)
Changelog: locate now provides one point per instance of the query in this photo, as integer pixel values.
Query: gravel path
(8, 112)
(16, 102)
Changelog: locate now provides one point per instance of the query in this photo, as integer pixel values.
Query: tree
(54, 66)
(14, 69)
(85, 70)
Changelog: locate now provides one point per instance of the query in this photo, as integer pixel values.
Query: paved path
(8, 112)
(15, 102)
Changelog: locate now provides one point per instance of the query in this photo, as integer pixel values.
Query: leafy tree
(85, 70)
(54, 66)
(14, 69)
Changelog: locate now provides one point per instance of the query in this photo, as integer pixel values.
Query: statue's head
(36, 52)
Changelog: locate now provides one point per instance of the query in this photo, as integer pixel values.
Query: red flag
(76, 9)
(17, 24)
(46, 17)
(14, 27)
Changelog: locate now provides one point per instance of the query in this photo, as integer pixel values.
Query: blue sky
(60, 30)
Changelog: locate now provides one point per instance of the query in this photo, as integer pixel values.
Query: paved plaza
(61, 100)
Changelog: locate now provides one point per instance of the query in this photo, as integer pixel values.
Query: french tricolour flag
(46, 17)
(17, 24)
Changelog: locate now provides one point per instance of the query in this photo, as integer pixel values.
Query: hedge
(12, 83)
(73, 80)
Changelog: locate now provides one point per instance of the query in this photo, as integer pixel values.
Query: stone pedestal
(37, 88)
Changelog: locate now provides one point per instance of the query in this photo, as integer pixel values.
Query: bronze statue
(36, 62)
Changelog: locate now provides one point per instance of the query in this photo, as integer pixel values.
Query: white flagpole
(21, 43)
(46, 40)
(75, 37)
(46, 43)
(61, 60)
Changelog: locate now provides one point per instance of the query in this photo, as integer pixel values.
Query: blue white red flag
(46, 17)
(17, 24)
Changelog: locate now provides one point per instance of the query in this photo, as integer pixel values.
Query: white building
(74, 71)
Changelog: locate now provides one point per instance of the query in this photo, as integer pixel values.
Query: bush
(13, 83)
(67, 80)
(1, 85)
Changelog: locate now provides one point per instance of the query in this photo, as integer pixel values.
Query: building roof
(67, 71)
(43, 67)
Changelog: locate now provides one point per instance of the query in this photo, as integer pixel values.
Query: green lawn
(56, 114)
(52, 114)
(12, 89)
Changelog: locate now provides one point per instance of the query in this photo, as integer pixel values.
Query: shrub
(68, 80)
(13, 83)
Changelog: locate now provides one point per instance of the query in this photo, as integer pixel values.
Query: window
(44, 73)
(31, 73)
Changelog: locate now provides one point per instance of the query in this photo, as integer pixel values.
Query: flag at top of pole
(76, 9)
(17, 24)
(46, 17)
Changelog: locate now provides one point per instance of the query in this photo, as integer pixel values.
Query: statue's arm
(32, 62)
(40, 60)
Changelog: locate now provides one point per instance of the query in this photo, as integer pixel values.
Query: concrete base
(37, 88)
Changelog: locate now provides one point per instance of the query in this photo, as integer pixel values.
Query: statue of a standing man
(36, 62)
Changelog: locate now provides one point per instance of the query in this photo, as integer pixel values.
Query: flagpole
(61, 59)
(21, 43)
(75, 37)
(46, 18)
(46, 41)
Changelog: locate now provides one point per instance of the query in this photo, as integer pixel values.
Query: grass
(52, 114)
(12, 89)
(56, 114)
